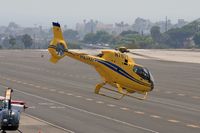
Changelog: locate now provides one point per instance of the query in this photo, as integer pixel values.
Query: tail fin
(57, 45)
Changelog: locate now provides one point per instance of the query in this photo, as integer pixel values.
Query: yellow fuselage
(112, 69)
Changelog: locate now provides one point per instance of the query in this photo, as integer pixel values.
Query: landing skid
(126, 94)
(120, 91)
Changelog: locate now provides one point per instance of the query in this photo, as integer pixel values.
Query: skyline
(28, 13)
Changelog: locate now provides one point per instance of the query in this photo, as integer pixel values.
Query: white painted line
(53, 90)
(45, 88)
(46, 103)
(78, 96)
(31, 107)
(173, 121)
(193, 126)
(180, 94)
(195, 97)
(139, 112)
(111, 105)
(61, 92)
(69, 94)
(37, 86)
(168, 92)
(88, 112)
(53, 107)
(155, 116)
(60, 107)
(18, 81)
(100, 102)
(89, 99)
(123, 108)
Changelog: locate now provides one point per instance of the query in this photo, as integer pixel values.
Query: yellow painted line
(139, 112)
(100, 102)
(155, 116)
(193, 126)
(111, 105)
(123, 108)
(173, 121)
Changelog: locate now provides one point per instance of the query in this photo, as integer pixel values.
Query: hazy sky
(43, 12)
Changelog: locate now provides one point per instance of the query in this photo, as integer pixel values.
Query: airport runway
(62, 94)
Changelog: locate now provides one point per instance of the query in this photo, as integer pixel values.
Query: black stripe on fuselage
(120, 71)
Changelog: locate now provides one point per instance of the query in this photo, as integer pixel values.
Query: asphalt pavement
(63, 95)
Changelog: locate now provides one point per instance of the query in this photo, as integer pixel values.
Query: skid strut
(119, 91)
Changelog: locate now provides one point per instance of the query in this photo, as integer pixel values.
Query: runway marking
(155, 116)
(60, 107)
(61, 92)
(52, 107)
(31, 107)
(173, 121)
(19, 81)
(180, 94)
(195, 97)
(123, 108)
(139, 112)
(100, 102)
(64, 129)
(111, 105)
(69, 94)
(193, 126)
(37, 86)
(45, 88)
(31, 84)
(46, 103)
(168, 92)
(88, 112)
(53, 90)
(89, 99)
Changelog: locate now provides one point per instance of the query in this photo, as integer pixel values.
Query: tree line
(186, 37)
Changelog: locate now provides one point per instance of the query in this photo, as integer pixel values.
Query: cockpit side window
(142, 72)
(100, 55)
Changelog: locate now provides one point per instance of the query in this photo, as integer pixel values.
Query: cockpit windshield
(142, 72)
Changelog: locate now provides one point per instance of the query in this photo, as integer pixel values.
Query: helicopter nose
(152, 85)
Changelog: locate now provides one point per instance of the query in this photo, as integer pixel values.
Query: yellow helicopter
(114, 66)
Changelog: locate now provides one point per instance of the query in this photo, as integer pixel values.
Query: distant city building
(142, 26)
